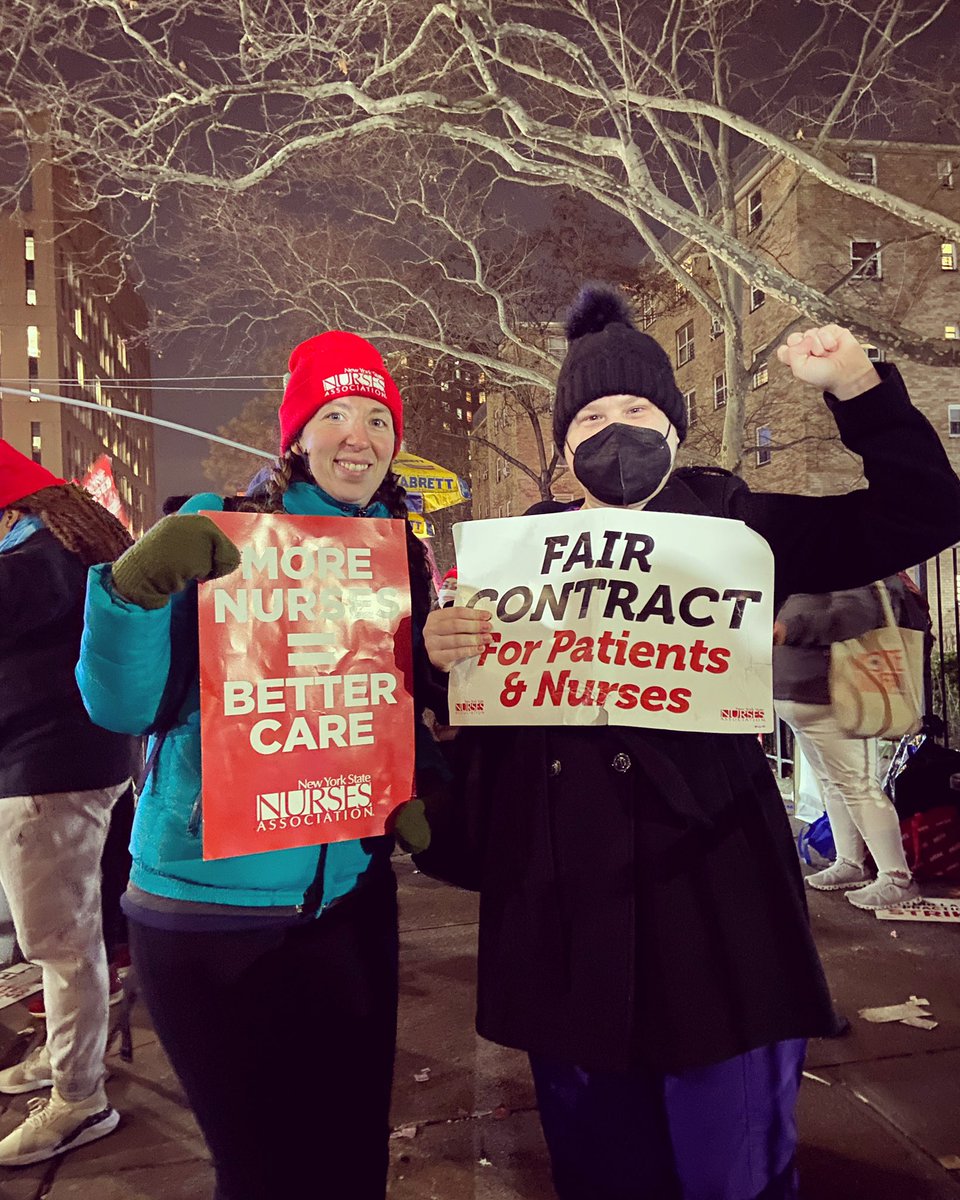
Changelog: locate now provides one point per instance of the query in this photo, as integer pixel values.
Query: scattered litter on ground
(484, 1162)
(423, 1075)
(893, 933)
(817, 1079)
(18, 982)
(950, 1162)
(930, 908)
(501, 1112)
(405, 1131)
(911, 1012)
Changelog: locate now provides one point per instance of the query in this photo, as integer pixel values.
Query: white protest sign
(611, 616)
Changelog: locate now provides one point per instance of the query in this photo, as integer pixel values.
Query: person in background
(643, 927)
(60, 776)
(447, 591)
(271, 978)
(862, 818)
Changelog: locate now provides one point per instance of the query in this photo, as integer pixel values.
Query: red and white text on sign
(610, 616)
(305, 683)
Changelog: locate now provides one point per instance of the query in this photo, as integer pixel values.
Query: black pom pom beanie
(608, 356)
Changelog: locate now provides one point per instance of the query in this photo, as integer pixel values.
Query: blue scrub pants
(723, 1132)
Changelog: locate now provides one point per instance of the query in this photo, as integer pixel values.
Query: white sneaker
(55, 1126)
(886, 892)
(839, 875)
(29, 1075)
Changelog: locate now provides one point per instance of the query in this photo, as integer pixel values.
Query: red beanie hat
(20, 476)
(327, 367)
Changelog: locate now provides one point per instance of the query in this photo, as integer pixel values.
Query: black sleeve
(909, 511)
(40, 583)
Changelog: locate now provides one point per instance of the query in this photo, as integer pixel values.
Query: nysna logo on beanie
(330, 366)
(355, 381)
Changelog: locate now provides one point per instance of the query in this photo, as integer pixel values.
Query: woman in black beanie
(643, 928)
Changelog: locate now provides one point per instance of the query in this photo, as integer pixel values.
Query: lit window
(78, 321)
(81, 373)
(33, 341)
(691, 401)
(761, 374)
(685, 347)
(865, 260)
(36, 442)
(948, 256)
(719, 390)
(862, 168)
(945, 172)
(764, 443)
(29, 265)
(757, 297)
(951, 332)
(755, 209)
(953, 419)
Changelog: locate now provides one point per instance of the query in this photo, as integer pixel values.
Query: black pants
(115, 872)
(284, 1043)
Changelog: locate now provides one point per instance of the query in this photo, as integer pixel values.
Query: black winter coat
(47, 741)
(641, 898)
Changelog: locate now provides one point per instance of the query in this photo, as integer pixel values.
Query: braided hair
(293, 467)
(78, 522)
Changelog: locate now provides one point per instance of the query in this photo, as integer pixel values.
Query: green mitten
(177, 549)
(412, 828)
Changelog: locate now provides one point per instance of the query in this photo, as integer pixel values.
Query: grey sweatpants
(50, 850)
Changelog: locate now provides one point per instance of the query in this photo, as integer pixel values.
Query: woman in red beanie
(60, 776)
(271, 978)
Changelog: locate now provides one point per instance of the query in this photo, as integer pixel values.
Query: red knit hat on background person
(21, 476)
(328, 367)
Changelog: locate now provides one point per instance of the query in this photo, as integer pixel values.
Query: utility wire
(119, 381)
(135, 416)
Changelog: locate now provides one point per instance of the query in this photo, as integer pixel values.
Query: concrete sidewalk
(883, 1109)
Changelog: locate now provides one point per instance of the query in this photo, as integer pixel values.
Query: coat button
(554, 768)
(621, 762)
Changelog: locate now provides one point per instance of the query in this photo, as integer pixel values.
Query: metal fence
(938, 581)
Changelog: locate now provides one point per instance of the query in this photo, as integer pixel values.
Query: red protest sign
(99, 481)
(305, 683)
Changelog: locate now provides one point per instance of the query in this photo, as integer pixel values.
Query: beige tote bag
(876, 680)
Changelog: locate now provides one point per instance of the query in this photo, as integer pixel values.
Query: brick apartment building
(821, 236)
(71, 324)
(501, 489)
(443, 397)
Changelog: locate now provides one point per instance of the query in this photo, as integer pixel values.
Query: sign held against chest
(626, 617)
